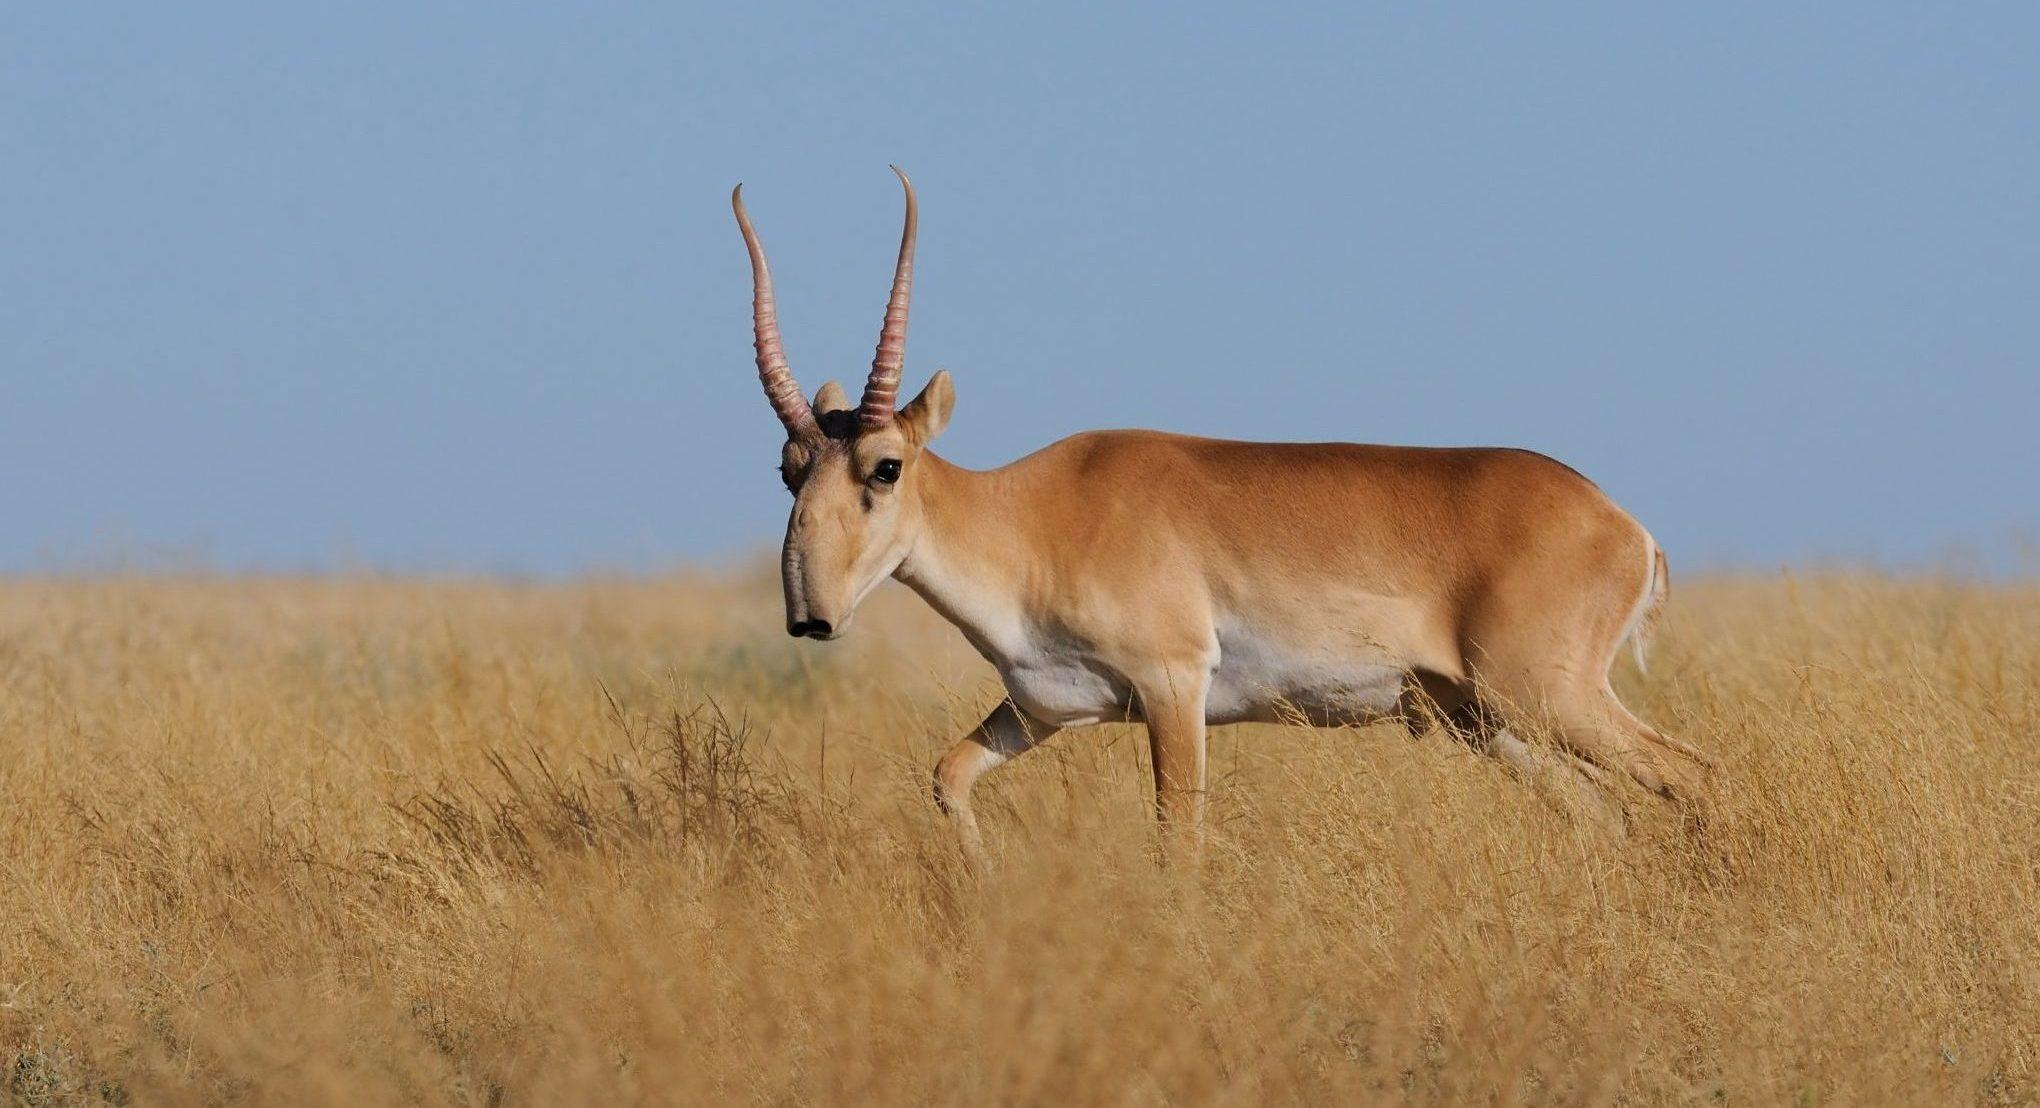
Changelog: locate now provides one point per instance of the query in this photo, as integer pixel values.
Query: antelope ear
(830, 398)
(929, 413)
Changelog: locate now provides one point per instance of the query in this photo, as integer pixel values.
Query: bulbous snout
(804, 609)
(834, 550)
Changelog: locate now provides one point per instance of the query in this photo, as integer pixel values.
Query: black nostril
(818, 629)
(799, 629)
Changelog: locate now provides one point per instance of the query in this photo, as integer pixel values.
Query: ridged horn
(882, 390)
(780, 388)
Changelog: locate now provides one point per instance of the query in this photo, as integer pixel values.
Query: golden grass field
(365, 840)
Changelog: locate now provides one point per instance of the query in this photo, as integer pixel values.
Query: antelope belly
(1261, 679)
(1068, 691)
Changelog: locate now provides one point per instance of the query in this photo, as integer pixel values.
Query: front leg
(1173, 705)
(1004, 735)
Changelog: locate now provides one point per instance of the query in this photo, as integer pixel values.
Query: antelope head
(854, 472)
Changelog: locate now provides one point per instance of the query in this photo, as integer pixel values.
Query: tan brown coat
(1182, 582)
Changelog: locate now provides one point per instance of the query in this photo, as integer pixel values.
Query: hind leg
(1591, 724)
(1540, 654)
(1463, 716)
(1657, 761)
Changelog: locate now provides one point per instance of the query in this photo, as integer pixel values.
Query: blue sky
(456, 287)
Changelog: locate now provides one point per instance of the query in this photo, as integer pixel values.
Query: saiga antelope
(1183, 582)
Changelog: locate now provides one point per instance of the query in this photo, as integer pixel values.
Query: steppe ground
(362, 840)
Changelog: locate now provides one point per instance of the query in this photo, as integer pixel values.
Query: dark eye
(887, 472)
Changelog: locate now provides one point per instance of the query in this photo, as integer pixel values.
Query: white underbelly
(1261, 680)
(1253, 681)
(1068, 690)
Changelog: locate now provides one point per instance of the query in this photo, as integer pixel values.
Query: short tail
(1644, 625)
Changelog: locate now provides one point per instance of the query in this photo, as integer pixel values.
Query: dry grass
(359, 840)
